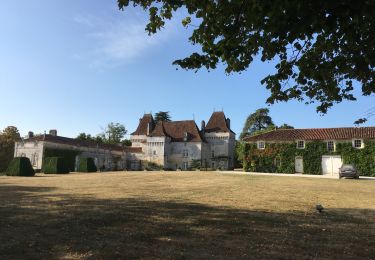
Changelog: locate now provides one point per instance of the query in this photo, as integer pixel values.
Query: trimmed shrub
(68, 155)
(20, 166)
(151, 166)
(86, 165)
(55, 165)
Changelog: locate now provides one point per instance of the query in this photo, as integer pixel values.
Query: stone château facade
(181, 144)
(170, 145)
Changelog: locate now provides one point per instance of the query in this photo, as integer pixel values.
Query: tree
(256, 122)
(8, 137)
(162, 116)
(113, 133)
(89, 137)
(84, 137)
(126, 142)
(285, 126)
(320, 47)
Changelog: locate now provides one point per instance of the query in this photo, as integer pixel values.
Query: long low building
(313, 151)
(106, 157)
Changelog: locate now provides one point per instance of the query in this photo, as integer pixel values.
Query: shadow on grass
(36, 223)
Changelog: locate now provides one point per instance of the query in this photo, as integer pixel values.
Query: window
(277, 162)
(261, 145)
(154, 152)
(185, 153)
(331, 146)
(212, 154)
(185, 165)
(300, 144)
(357, 143)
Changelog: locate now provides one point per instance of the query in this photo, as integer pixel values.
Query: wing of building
(333, 145)
(106, 157)
(169, 145)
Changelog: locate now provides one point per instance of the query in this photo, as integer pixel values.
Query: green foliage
(126, 142)
(88, 137)
(69, 157)
(280, 157)
(257, 122)
(86, 165)
(364, 159)
(20, 166)
(285, 126)
(320, 47)
(54, 165)
(113, 133)
(151, 166)
(8, 137)
(195, 164)
(162, 116)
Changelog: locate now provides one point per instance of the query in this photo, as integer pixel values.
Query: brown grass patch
(185, 215)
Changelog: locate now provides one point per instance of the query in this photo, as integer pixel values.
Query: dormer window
(300, 144)
(261, 145)
(358, 143)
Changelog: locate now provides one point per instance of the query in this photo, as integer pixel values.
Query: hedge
(69, 156)
(20, 166)
(87, 165)
(54, 165)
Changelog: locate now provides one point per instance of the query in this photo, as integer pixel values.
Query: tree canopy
(257, 121)
(7, 139)
(113, 133)
(89, 137)
(320, 47)
(285, 126)
(162, 116)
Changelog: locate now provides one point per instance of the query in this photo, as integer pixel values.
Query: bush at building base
(54, 165)
(20, 166)
(86, 165)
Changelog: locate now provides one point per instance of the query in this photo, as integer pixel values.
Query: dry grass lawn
(185, 215)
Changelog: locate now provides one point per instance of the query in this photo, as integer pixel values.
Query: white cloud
(117, 42)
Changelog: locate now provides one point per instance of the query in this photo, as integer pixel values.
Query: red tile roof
(82, 143)
(143, 124)
(315, 134)
(176, 131)
(218, 123)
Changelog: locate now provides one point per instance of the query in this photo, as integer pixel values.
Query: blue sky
(74, 66)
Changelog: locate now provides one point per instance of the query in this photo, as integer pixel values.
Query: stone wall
(179, 155)
(31, 150)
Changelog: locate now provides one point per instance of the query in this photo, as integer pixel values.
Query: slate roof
(143, 123)
(340, 133)
(218, 123)
(176, 131)
(82, 143)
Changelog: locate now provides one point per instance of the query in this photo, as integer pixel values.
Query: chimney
(30, 134)
(203, 126)
(149, 128)
(53, 132)
(228, 123)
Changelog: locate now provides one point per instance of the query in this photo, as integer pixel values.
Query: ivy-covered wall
(280, 157)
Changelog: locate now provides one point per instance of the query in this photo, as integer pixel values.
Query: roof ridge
(324, 128)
